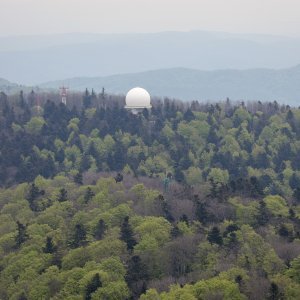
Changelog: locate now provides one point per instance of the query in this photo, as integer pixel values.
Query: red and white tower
(63, 93)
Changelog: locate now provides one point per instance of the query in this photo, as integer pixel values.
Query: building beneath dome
(137, 99)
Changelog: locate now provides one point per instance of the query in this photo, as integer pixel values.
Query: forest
(184, 201)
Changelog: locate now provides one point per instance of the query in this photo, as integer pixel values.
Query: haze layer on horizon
(36, 17)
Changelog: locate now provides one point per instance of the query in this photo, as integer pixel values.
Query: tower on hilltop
(63, 93)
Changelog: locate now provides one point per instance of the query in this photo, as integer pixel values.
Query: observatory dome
(138, 98)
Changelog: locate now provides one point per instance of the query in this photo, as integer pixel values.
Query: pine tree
(22, 297)
(33, 194)
(296, 194)
(201, 212)
(63, 195)
(136, 276)
(214, 236)
(175, 232)
(87, 99)
(263, 215)
(79, 237)
(89, 194)
(78, 178)
(127, 234)
(92, 286)
(85, 163)
(274, 293)
(22, 235)
(49, 247)
(184, 218)
(100, 230)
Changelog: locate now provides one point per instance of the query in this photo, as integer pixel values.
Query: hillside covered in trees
(206, 205)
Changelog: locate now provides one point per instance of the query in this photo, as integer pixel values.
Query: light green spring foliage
(34, 273)
(277, 206)
(204, 289)
(30, 270)
(35, 125)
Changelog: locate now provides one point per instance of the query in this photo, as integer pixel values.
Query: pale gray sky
(111, 16)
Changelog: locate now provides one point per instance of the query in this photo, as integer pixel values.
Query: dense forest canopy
(186, 201)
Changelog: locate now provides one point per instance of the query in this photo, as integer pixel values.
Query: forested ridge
(185, 201)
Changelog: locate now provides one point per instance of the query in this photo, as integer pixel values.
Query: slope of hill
(35, 59)
(223, 224)
(188, 84)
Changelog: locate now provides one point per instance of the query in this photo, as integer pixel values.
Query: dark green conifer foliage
(49, 247)
(263, 215)
(184, 218)
(85, 163)
(175, 232)
(78, 178)
(127, 234)
(283, 231)
(292, 213)
(63, 195)
(87, 99)
(93, 286)
(48, 169)
(22, 297)
(100, 230)
(22, 235)
(274, 293)
(89, 194)
(136, 276)
(79, 236)
(201, 211)
(296, 194)
(32, 195)
(214, 236)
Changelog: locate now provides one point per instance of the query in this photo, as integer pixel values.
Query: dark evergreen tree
(184, 218)
(89, 194)
(49, 247)
(188, 115)
(274, 293)
(283, 231)
(48, 169)
(296, 194)
(175, 232)
(292, 213)
(201, 212)
(22, 297)
(100, 230)
(33, 194)
(63, 195)
(22, 235)
(214, 236)
(78, 178)
(93, 286)
(79, 236)
(263, 214)
(127, 234)
(85, 163)
(136, 276)
(87, 99)
(119, 178)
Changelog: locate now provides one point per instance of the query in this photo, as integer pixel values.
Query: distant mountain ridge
(34, 59)
(190, 84)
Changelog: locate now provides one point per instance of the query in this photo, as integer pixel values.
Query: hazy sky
(106, 16)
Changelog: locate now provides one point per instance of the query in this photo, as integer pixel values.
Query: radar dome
(138, 98)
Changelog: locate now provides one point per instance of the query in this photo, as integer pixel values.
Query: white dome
(138, 98)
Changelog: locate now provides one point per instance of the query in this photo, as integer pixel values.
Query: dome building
(137, 99)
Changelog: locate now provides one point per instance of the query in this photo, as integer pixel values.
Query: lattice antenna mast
(63, 94)
(38, 104)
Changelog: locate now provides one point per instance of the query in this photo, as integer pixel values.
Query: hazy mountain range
(186, 65)
(189, 84)
(35, 59)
